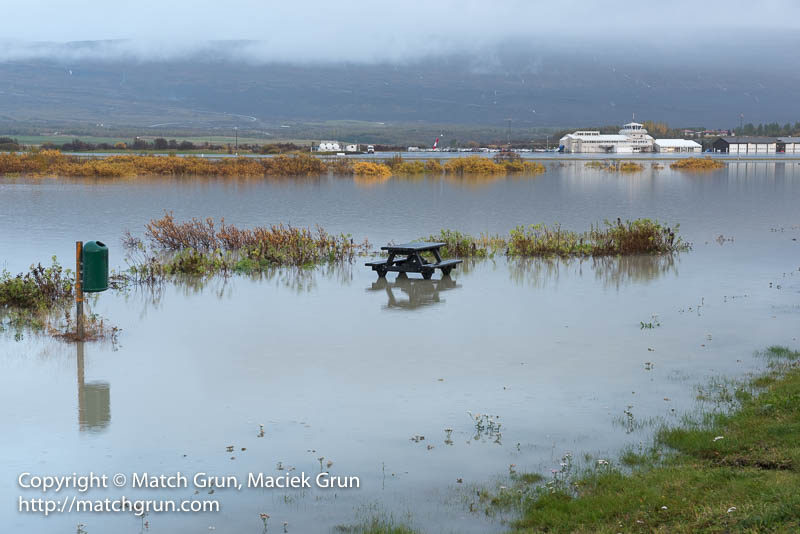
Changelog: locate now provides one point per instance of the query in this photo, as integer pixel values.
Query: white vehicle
(370, 149)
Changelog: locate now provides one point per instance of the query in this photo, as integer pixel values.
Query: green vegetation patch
(729, 472)
(203, 247)
(640, 236)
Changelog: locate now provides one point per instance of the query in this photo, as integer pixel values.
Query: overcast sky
(357, 31)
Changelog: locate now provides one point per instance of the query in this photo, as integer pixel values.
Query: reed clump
(630, 166)
(696, 164)
(640, 236)
(611, 166)
(200, 247)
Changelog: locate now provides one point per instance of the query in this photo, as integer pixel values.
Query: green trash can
(95, 267)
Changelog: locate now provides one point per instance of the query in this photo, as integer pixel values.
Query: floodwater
(341, 367)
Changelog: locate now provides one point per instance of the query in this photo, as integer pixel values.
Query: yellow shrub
(366, 168)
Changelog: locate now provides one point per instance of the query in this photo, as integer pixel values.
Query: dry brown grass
(697, 164)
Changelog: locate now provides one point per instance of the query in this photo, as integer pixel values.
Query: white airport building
(632, 138)
(676, 145)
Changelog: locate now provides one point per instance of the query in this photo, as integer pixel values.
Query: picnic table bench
(407, 258)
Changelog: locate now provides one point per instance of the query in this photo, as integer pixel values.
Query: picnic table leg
(436, 255)
(383, 270)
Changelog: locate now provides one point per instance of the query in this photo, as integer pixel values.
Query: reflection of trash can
(95, 267)
(94, 406)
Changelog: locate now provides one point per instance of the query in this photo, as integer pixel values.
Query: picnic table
(407, 258)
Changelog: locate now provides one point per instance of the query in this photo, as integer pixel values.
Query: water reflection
(94, 399)
(296, 279)
(622, 270)
(611, 271)
(419, 292)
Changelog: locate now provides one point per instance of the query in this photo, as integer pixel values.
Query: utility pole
(236, 132)
(508, 133)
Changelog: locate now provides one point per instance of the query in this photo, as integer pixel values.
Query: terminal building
(632, 138)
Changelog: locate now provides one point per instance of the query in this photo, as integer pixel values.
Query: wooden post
(79, 289)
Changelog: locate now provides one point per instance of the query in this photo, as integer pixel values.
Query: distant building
(676, 145)
(788, 145)
(329, 146)
(351, 148)
(633, 137)
(746, 145)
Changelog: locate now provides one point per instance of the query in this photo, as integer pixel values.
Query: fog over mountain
(565, 64)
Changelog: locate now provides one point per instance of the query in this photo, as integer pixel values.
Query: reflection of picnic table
(407, 258)
(420, 292)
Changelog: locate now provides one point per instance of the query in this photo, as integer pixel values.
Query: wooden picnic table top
(406, 248)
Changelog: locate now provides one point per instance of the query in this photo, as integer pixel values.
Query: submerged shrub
(697, 164)
(40, 288)
(198, 247)
(612, 166)
(473, 165)
(367, 168)
(641, 236)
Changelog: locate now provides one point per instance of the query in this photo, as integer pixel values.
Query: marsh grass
(372, 520)
(54, 163)
(697, 164)
(296, 164)
(728, 471)
(500, 165)
(641, 236)
(615, 166)
(201, 247)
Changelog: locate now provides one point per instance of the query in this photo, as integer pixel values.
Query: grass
(371, 519)
(614, 166)
(640, 236)
(376, 525)
(201, 247)
(697, 164)
(730, 471)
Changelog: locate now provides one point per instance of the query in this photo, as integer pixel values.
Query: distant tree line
(160, 143)
(772, 129)
(8, 144)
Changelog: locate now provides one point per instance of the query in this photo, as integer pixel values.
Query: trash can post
(79, 289)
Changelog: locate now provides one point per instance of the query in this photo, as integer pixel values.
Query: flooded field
(424, 390)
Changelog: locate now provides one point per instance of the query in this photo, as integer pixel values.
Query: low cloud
(369, 32)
